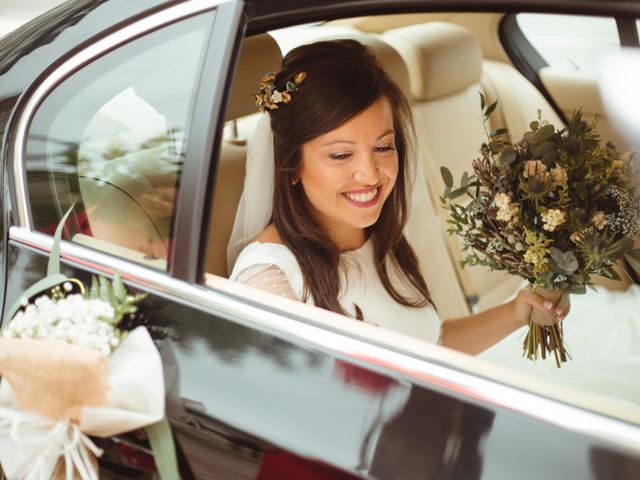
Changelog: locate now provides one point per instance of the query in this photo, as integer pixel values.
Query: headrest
(260, 54)
(442, 58)
(390, 60)
(388, 57)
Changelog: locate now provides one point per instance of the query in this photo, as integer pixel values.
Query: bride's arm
(475, 333)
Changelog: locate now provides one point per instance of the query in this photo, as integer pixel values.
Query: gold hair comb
(268, 97)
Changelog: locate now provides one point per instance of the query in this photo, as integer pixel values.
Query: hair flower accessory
(268, 97)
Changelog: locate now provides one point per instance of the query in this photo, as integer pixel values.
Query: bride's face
(348, 173)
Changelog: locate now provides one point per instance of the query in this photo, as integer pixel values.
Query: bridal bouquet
(71, 369)
(554, 208)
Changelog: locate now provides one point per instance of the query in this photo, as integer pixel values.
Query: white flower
(276, 96)
(73, 319)
(552, 219)
(506, 211)
(502, 199)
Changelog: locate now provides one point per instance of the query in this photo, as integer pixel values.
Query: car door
(127, 131)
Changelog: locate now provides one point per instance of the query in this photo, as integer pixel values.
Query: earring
(294, 181)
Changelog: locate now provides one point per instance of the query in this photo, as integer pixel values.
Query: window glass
(111, 138)
(570, 42)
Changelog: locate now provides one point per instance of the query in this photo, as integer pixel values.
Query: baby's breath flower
(506, 210)
(72, 319)
(494, 246)
(552, 219)
(502, 199)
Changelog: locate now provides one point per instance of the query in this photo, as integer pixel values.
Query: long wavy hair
(343, 79)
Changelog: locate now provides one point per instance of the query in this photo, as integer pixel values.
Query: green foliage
(114, 293)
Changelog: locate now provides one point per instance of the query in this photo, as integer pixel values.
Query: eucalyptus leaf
(447, 177)
(483, 101)
(458, 192)
(550, 157)
(567, 261)
(544, 133)
(578, 289)
(490, 109)
(542, 149)
(497, 132)
(464, 181)
(508, 155)
(496, 146)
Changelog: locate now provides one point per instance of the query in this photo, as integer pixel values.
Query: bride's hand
(526, 300)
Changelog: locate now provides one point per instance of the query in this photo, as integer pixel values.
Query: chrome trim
(285, 325)
(103, 45)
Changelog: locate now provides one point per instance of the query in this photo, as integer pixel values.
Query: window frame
(526, 58)
(75, 60)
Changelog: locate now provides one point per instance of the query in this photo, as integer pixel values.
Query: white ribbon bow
(39, 443)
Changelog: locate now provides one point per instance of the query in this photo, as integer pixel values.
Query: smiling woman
(343, 136)
(342, 193)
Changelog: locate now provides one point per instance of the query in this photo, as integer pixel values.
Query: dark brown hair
(343, 78)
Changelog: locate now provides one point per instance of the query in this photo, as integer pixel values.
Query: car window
(110, 139)
(570, 42)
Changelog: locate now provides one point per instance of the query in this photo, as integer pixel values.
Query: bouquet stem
(545, 336)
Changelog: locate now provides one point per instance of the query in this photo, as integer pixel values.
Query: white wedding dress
(273, 267)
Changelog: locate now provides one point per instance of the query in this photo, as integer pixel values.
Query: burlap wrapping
(52, 377)
(546, 318)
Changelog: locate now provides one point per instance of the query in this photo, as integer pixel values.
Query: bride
(327, 197)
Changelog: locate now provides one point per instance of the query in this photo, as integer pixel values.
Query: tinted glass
(111, 138)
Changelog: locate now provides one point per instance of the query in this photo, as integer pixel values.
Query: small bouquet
(71, 368)
(554, 208)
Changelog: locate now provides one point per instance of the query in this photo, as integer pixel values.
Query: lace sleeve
(269, 278)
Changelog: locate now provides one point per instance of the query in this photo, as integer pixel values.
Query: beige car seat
(446, 67)
(260, 54)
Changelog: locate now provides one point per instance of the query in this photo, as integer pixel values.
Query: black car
(138, 113)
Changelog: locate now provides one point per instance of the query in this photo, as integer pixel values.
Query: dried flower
(576, 237)
(555, 207)
(268, 96)
(552, 219)
(559, 176)
(534, 168)
(599, 220)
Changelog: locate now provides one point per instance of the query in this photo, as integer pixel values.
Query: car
(138, 115)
